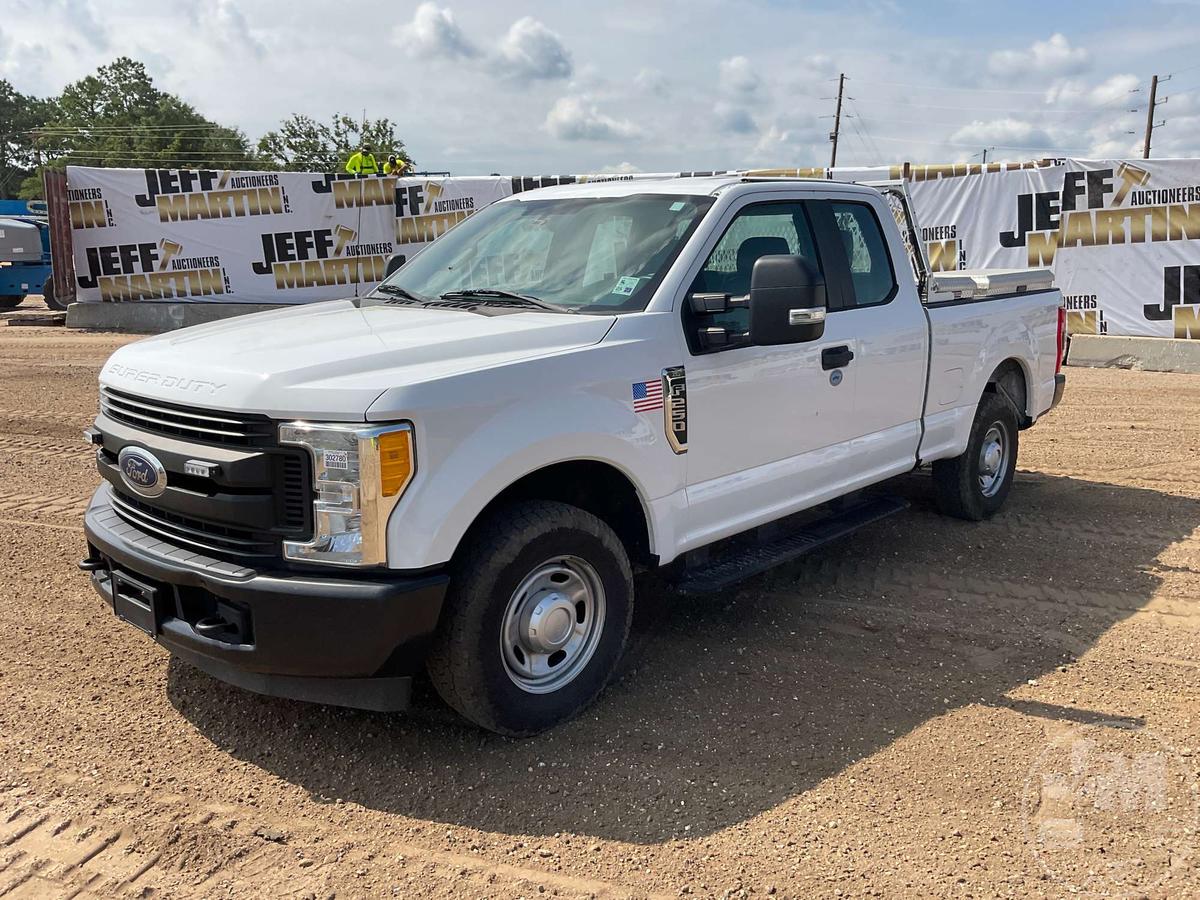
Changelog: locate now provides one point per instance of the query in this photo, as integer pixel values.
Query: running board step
(738, 565)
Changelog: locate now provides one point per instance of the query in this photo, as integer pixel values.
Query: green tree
(302, 144)
(19, 116)
(118, 118)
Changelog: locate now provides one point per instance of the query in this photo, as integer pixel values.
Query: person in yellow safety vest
(394, 165)
(362, 162)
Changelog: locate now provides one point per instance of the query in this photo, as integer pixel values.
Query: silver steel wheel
(552, 624)
(993, 459)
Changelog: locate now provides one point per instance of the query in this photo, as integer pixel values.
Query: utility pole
(985, 150)
(837, 120)
(1150, 116)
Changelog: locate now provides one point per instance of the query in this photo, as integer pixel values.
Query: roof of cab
(701, 186)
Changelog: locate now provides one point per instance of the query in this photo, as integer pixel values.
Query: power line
(121, 129)
(146, 160)
(923, 121)
(1012, 109)
(861, 120)
(942, 87)
(862, 140)
(937, 143)
(1185, 69)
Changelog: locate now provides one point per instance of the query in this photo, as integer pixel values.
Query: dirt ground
(929, 708)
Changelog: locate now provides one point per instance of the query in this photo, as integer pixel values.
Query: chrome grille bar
(206, 426)
(132, 403)
(108, 408)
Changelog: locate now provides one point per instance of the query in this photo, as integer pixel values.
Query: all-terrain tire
(10, 301)
(959, 483)
(467, 662)
(51, 298)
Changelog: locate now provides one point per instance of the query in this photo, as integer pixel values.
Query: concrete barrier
(154, 317)
(1143, 353)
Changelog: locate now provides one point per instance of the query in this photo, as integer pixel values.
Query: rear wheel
(8, 301)
(535, 620)
(51, 298)
(975, 484)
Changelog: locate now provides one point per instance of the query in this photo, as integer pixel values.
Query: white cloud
(621, 168)
(433, 33)
(531, 51)
(1075, 92)
(1119, 87)
(738, 76)
(577, 118)
(1055, 56)
(791, 139)
(1006, 132)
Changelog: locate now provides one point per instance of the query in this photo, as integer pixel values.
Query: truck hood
(332, 360)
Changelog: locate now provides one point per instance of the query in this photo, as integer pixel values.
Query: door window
(760, 230)
(866, 253)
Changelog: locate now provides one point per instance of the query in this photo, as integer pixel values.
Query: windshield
(589, 254)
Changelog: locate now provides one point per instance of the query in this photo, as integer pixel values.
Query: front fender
(468, 454)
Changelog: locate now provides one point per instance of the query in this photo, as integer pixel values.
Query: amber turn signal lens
(395, 461)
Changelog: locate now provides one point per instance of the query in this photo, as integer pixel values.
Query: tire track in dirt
(54, 850)
(31, 523)
(45, 447)
(14, 504)
(57, 418)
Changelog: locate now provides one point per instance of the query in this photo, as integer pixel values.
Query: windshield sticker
(626, 285)
(677, 206)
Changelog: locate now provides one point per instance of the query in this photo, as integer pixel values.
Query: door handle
(836, 357)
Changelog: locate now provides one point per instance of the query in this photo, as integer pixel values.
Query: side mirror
(787, 301)
(395, 261)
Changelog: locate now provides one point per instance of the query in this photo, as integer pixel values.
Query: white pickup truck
(461, 471)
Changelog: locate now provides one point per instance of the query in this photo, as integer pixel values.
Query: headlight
(359, 473)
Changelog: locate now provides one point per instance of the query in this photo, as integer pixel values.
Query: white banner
(253, 237)
(1122, 236)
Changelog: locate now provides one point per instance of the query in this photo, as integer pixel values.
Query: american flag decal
(647, 396)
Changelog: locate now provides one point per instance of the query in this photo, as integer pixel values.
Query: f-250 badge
(675, 408)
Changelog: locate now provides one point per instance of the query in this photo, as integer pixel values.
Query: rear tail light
(1062, 339)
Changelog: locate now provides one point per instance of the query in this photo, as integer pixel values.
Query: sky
(654, 85)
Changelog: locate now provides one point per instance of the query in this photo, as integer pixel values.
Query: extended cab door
(879, 309)
(776, 429)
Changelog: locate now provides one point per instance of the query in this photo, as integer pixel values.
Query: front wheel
(975, 484)
(10, 301)
(535, 619)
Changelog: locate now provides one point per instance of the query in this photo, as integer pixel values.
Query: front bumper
(349, 641)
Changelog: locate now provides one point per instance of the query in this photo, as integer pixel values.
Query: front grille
(188, 423)
(189, 532)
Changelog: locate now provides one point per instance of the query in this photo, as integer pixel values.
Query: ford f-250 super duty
(460, 471)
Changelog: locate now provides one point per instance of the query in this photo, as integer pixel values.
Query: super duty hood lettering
(177, 382)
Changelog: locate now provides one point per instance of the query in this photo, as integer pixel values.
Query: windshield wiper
(393, 290)
(494, 294)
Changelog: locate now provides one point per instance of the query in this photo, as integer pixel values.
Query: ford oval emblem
(142, 472)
